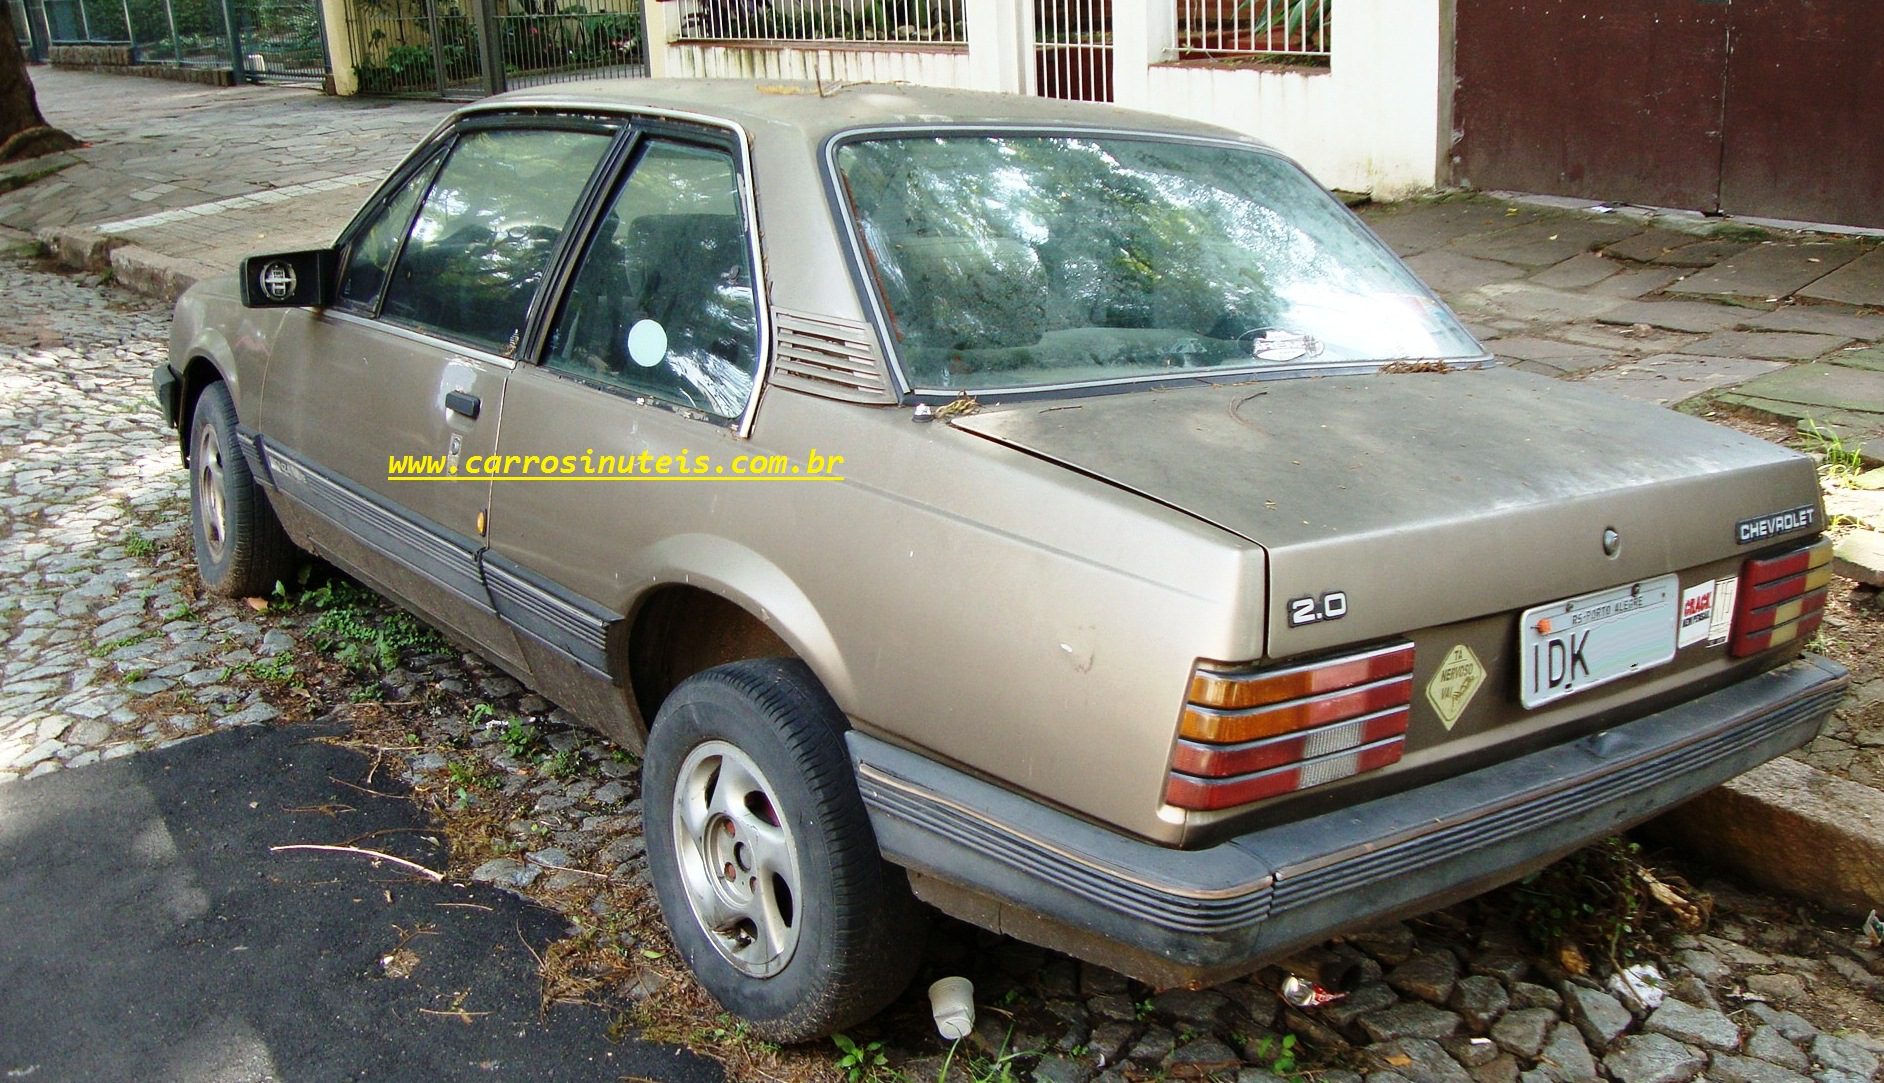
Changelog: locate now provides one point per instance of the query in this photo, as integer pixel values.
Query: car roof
(816, 112)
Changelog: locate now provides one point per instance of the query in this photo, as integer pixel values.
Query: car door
(650, 360)
(371, 408)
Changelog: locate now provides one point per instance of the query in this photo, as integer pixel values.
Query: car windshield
(1031, 261)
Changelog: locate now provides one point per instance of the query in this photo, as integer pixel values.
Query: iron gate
(1073, 49)
(468, 48)
(1758, 107)
(283, 40)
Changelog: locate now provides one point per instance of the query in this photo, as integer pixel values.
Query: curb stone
(79, 248)
(1793, 828)
(155, 274)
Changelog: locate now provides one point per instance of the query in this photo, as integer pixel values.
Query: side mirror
(291, 279)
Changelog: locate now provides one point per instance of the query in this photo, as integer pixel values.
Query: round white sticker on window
(647, 343)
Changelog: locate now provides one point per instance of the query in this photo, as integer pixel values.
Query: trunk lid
(1425, 498)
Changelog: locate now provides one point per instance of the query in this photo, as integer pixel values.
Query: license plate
(1593, 639)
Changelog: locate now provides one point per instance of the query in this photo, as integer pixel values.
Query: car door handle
(463, 402)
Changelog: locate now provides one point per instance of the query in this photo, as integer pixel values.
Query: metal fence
(901, 21)
(469, 48)
(1073, 49)
(599, 40)
(100, 22)
(277, 40)
(22, 29)
(1266, 29)
(283, 40)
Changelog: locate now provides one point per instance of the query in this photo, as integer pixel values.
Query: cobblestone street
(111, 651)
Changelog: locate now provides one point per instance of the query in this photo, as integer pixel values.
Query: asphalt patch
(147, 932)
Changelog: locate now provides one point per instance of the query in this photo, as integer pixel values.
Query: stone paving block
(1654, 1058)
(1649, 244)
(1859, 556)
(1421, 226)
(1749, 1070)
(1545, 242)
(1775, 270)
(1820, 387)
(1860, 282)
(1410, 1019)
(1537, 304)
(1418, 1060)
(1696, 316)
(1770, 345)
(1578, 272)
(1637, 282)
(1668, 379)
(1565, 1058)
(1837, 1053)
(1600, 1017)
(1550, 357)
(1450, 272)
(1822, 319)
(1768, 1044)
(1695, 1026)
(1703, 253)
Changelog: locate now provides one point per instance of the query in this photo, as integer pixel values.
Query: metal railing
(1073, 49)
(283, 40)
(23, 30)
(279, 39)
(99, 22)
(1278, 29)
(907, 22)
(599, 39)
(415, 47)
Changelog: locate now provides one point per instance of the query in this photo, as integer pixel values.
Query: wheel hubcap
(738, 859)
(211, 505)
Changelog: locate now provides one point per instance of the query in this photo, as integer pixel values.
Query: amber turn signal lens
(1248, 734)
(1780, 599)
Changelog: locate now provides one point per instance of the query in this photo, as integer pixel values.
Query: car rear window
(1029, 261)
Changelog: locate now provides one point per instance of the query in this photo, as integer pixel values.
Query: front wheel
(763, 858)
(241, 548)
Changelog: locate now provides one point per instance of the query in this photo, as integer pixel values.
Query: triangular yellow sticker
(1452, 688)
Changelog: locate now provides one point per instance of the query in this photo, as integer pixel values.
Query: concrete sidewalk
(188, 179)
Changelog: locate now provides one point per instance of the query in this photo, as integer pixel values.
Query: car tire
(241, 548)
(763, 857)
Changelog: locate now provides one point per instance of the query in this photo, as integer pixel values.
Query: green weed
(859, 1062)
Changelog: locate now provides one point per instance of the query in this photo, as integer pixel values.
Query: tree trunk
(23, 131)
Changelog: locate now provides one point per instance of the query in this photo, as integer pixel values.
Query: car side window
(484, 235)
(372, 252)
(662, 304)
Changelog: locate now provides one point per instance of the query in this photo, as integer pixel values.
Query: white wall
(1370, 122)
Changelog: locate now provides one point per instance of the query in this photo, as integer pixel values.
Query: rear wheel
(241, 549)
(763, 858)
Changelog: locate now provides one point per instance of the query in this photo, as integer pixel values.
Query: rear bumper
(1177, 917)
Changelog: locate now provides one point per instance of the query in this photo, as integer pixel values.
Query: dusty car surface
(1070, 518)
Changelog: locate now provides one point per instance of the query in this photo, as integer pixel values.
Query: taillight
(1780, 598)
(1248, 734)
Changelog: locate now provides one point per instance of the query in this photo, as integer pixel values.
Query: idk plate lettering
(1593, 639)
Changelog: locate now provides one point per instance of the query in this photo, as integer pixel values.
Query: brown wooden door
(1754, 107)
(1805, 111)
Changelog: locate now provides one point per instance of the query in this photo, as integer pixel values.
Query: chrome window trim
(449, 346)
(748, 194)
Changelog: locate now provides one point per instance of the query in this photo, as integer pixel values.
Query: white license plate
(1579, 643)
